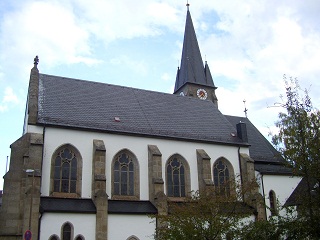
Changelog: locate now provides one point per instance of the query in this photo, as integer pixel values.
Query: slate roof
(131, 207)
(300, 192)
(267, 158)
(192, 69)
(69, 205)
(97, 106)
(82, 205)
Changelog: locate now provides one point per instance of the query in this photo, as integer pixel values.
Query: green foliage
(201, 217)
(298, 141)
(213, 214)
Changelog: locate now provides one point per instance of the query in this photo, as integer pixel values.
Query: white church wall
(123, 226)
(83, 141)
(83, 224)
(283, 186)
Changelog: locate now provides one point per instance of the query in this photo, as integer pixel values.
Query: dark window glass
(56, 186)
(272, 200)
(58, 161)
(66, 232)
(65, 186)
(131, 181)
(176, 178)
(57, 172)
(73, 185)
(123, 175)
(65, 172)
(221, 178)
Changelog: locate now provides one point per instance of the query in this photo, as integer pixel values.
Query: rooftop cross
(245, 108)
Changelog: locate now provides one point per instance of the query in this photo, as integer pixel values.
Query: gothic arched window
(125, 176)
(67, 231)
(178, 176)
(223, 176)
(66, 172)
(273, 203)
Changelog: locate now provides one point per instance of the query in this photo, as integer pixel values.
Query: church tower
(193, 77)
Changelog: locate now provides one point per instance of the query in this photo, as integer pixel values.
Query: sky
(249, 46)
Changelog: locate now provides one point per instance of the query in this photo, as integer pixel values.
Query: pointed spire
(191, 67)
(207, 73)
(177, 79)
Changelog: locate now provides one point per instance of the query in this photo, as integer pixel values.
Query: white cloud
(259, 41)
(138, 66)
(45, 28)
(9, 99)
(166, 77)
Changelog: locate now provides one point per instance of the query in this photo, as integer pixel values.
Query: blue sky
(249, 45)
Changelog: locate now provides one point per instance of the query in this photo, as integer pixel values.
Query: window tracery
(178, 176)
(125, 175)
(66, 170)
(223, 176)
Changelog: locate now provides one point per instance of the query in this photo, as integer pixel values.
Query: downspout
(264, 197)
(39, 226)
(241, 180)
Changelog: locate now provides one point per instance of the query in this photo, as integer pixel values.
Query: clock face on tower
(202, 94)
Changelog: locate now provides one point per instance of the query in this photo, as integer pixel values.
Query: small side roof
(86, 205)
(267, 159)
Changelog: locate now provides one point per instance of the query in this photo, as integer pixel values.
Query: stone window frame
(136, 176)
(231, 178)
(187, 179)
(63, 230)
(273, 203)
(77, 194)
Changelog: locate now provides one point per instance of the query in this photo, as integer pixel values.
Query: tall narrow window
(66, 172)
(222, 176)
(125, 176)
(177, 177)
(273, 203)
(66, 231)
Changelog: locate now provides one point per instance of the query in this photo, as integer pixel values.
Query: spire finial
(245, 108)
(188, 4)
(36, 61)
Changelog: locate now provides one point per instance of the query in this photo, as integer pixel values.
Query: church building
(95, 160)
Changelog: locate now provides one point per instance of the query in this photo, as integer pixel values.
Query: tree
(298, 141)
